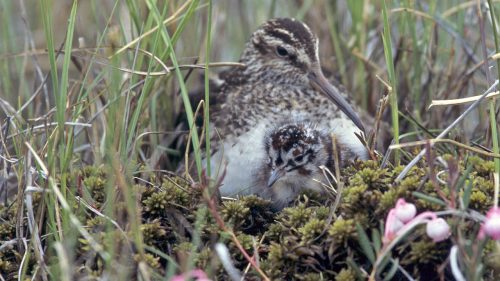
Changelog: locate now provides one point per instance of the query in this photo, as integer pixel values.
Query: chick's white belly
(243, 157)
(241, 160)
(345, 132)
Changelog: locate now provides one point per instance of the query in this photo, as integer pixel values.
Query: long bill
(319, 81)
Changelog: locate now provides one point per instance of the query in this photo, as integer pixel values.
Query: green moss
(424, 252)
(179, 190)
(153, 232)
(274, 262)
(342, 230)
(312, 229)
(482, 167)
(354, 194)
(157, 203)
(276, 255)
(173, 193)
(306, 241)
(483, 184)
(96, 187)
(235, 212)
(295, 216)
(152, 261)
(7, 231)
(93, 171)
(7, 266)
(322, 212)
(246, 241)
(96, 224)
(478, 199)
(346, 274)
(275, 231)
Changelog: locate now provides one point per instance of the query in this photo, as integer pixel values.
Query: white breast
(241, 161)
(344, 131)
(242, 157)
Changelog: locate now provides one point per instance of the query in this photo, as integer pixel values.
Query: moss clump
(482, 167)
(235, 213)
(7, 266)
(152, 261)
(312, 229)
(173, 193)
(424, 252)
(274, 231)
(247, 242)
(309, 240)
(152, 232)
(157, 203)
(295, 217)
(346, 274)
(7, 230)
(342, 231)
(96, 186)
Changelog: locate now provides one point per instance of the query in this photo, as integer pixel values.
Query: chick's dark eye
(299, 158)
(281, 51)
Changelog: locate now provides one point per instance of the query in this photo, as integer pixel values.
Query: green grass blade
(392, 271)
(61, 100)
(386, 38)
(365, 244)
(207, 87)
(492, 106)
(429, 199)
(184, 92)
(339, 57)
(49, 37)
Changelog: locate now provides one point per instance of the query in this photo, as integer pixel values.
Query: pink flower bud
(392, 225)
(438, 229)
(491, 225)
(405, 212)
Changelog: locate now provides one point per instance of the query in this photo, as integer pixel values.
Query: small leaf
(465, 176)
(359, 273)
(466, 195)
(383, 263)
(376, 240)
(394, 268)
(429, 198)
(365, 244)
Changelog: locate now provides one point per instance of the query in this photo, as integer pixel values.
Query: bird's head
(295, 152)
(286, 50)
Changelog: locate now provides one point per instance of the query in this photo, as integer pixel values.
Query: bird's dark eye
(281, 51)
(299, 158)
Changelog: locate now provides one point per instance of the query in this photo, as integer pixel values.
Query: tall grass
(492, 105)
(207, 90)
(393, 90)
(90, 111)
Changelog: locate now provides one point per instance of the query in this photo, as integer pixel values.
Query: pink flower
(402, 219)
(491, 225)
(392, 225)
(405, 212)
(196, 274)
(438, 229)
